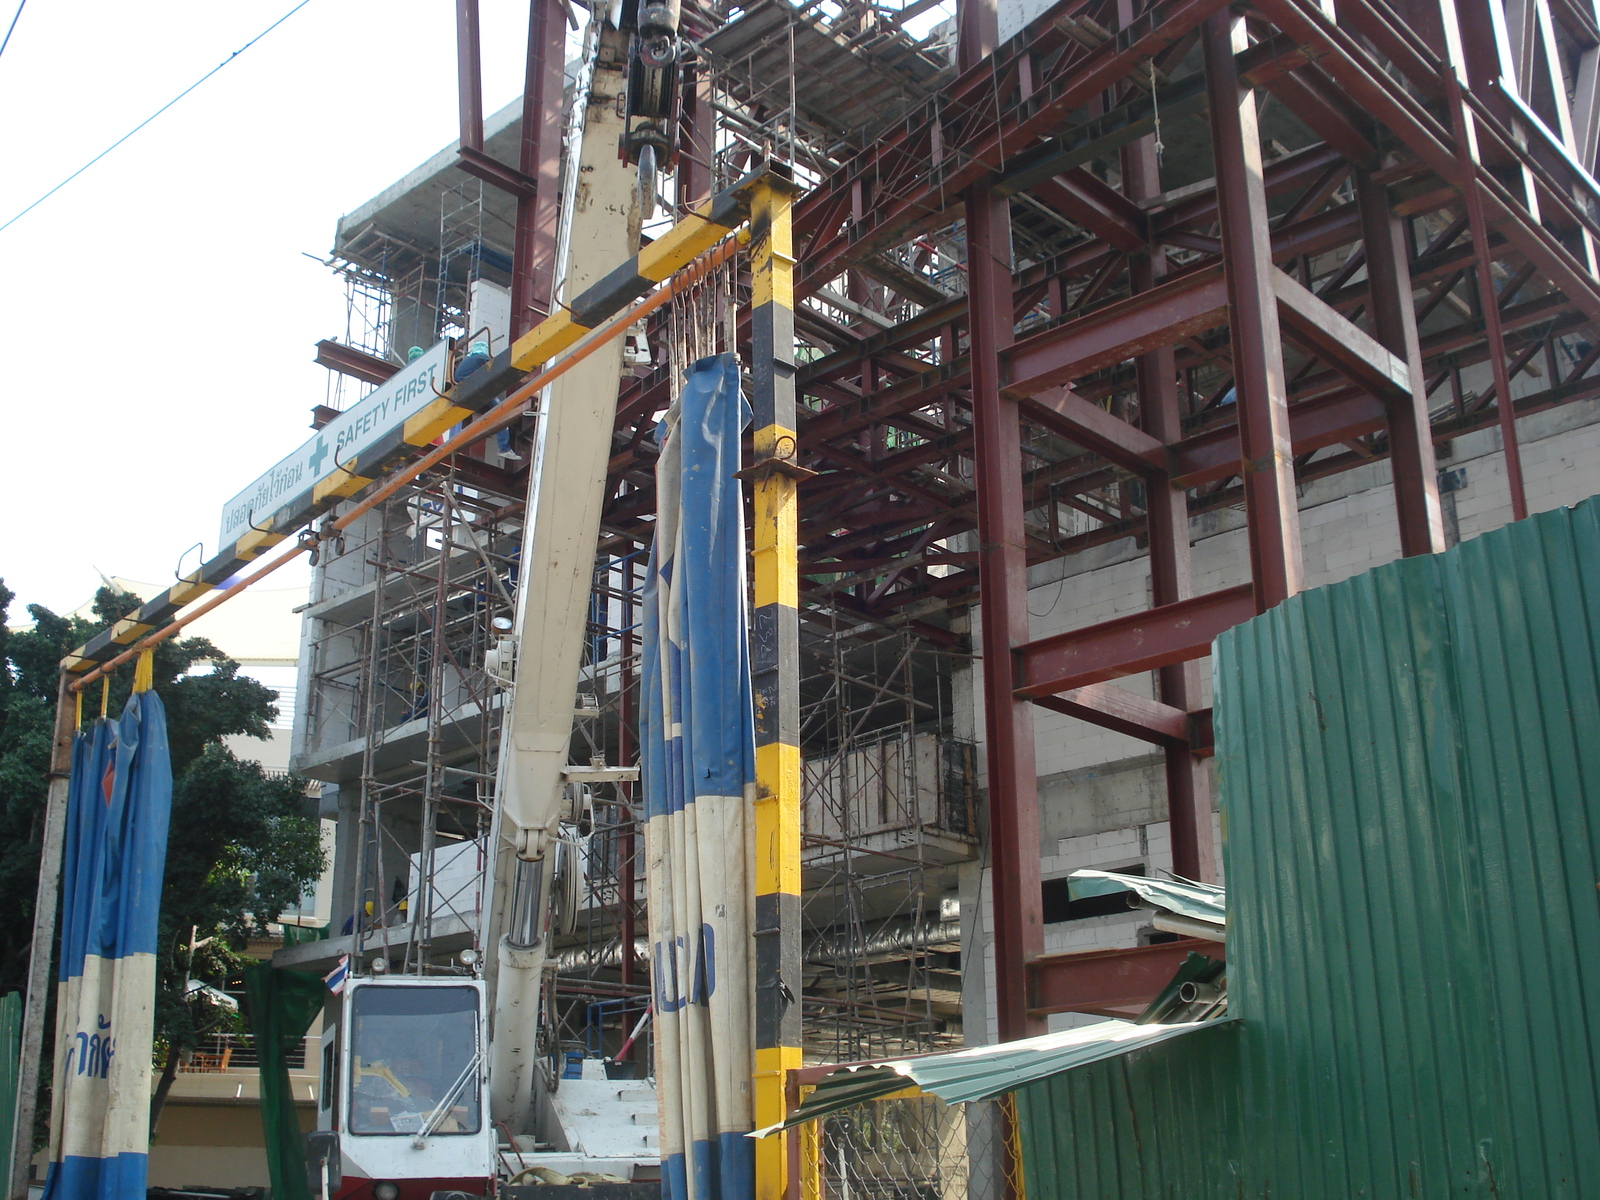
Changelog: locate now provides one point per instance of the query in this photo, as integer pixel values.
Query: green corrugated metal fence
(1410, 770)
(10, 1054)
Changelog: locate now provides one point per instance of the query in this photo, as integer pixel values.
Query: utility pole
(45, 902)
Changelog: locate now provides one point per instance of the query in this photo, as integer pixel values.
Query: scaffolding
(403, 710)
(888, 796)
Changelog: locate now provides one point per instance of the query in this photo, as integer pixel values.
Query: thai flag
(698, 749)
(335, 978)
(116, 849)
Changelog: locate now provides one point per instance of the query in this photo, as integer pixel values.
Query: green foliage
(241, 847)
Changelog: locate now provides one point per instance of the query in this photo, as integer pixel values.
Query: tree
(242, 845)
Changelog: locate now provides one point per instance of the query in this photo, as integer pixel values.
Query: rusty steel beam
(1272, 514)
(1188, 304)
(1003, 602)
(1332, 337)
(1325, 421)
(496, 173)
(533, 254)
(469, 73)
(1096, 206)
(1349, 65)
(1413, 467)
(357, 364)
(1121, 711)
(1139, 641)
(1110, 983)
(993, 133)
(1188, 784)
(1092, 427)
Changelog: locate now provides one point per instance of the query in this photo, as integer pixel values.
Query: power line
(12, 27)
(152, 116)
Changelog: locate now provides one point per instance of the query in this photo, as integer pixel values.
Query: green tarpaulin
(280, 1006)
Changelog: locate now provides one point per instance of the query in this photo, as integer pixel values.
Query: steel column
(469, 73)
(696, 140)
(1267, 459)
(47, 898)
(1488, 296)
(1167, 510)
(775, 671)
(1394, 323)
(1003, 573)
(534, 252)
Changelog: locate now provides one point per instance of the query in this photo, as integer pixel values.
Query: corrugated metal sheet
(1202, 901)
(1160, 1122)
(1410, 774)
(1411, 767)
(10, 1053)
(984, 1071)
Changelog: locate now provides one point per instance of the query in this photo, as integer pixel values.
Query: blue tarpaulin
(116, 849)
(698, 746)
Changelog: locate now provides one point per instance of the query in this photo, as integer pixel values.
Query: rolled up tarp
(119, 802)
(697, 741)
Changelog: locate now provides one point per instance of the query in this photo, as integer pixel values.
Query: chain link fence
(911, 1146)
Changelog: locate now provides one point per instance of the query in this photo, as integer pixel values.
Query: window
(328, 1068)
(415, 1060)
(1060, 906)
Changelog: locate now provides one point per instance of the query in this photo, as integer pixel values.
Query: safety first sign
(338, 442)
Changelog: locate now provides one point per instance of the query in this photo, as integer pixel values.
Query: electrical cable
(11, 28)
(152, 116)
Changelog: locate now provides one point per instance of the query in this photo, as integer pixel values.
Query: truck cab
(404, 1111)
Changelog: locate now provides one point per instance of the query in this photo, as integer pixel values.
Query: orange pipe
(500, 415)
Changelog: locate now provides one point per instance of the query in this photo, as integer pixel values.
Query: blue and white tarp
(116, 852)
(697, 741)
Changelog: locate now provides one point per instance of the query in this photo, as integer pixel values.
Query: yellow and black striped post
(775, 670)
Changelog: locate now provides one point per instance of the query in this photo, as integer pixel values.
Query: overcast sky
(159, 314)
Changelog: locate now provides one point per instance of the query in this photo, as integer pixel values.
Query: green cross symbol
(317, 455)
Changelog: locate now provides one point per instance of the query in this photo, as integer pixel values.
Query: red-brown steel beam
(534, 251)
(1092, 427)
(1138, 641)
(1325, 421)
(1188, 304)
(1110, 983)
(1003, 558)
(1267, 458)
(1332, 337)
(1121, 711)
(469, 73)
(1412, 465)
(1096, 206)
(347, 360)
(1489, 304)
(994, 133)
(1003, 570)
(1386, 99)
(1188, 784)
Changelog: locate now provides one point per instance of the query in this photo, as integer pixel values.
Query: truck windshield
(414, 1062)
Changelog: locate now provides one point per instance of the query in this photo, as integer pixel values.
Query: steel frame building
(1188, 332)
